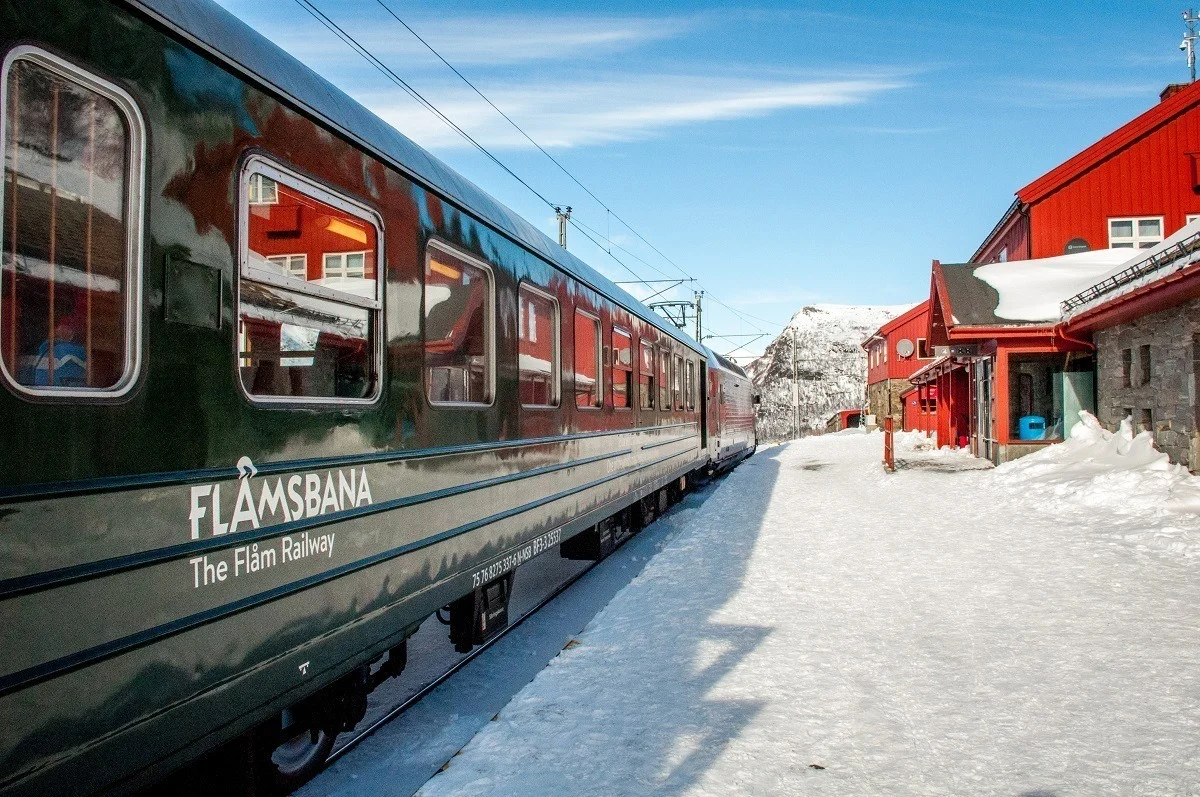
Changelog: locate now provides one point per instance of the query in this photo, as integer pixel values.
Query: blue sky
(783, 154)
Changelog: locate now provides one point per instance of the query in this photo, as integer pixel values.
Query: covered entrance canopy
(1009, 379)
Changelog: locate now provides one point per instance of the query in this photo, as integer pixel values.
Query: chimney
(1171, 90)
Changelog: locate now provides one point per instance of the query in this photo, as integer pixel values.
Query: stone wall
(1173, 338)
(883, 399)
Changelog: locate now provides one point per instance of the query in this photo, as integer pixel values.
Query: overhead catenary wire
(367, 55)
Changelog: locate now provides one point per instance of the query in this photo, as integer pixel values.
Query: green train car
(277, 386)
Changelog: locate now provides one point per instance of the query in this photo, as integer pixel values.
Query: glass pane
(458, 329)
(1120, 229)
(587, 359)
(622, 353)
(63, 271)
(678, 383)
(1150, 228)
(288, 225)
(646, 381)
(1126, 245)
(294, 344)
(538, 355)
(664, 381)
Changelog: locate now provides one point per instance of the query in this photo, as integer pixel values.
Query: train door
(703, 382)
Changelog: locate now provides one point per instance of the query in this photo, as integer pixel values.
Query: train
(279, 386)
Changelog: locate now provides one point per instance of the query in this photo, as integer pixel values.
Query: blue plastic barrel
(1031, 427)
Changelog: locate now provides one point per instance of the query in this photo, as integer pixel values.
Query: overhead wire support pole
(795, 391)
(699, 311)
(1188, 45)
(564, 216)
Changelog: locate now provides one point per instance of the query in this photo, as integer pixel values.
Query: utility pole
(1189, 40)
(795, 391)
(563, 218)
(699, 329)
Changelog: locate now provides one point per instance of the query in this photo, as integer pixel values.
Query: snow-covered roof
(1148, 266)
(1022, 292)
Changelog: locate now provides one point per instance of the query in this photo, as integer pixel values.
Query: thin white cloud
(492, 40)
(619, 108)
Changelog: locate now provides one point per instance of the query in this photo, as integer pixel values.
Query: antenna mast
(1189, 40)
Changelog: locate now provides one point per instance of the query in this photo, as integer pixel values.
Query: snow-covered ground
(820, 627)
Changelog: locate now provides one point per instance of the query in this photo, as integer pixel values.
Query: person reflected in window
(66, 366)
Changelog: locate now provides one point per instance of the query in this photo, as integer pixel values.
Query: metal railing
(1139, 269)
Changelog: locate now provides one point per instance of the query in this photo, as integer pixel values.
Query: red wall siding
(1014, 236)
(1152, 177)
(898, 367)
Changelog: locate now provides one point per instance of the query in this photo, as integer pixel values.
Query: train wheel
(293, 750)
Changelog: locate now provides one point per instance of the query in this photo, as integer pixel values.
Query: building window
(1135, 233)
(262, 190)
(923, 350)
(459, 327)
(1041, 387)
(70, 272)
(1191, 217)
(587, 360)
(292, 265)
(1144, 362)
(646, 378)
(345, 265)
(538, 348)
(301, 339)
(622, 369)
(1002, 257)
(677, 375)
(664, 380)
(1126, 367)
(1146, 421)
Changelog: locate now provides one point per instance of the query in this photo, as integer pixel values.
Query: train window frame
(664, 378)
(690, 385)
(645, 346)
(677, 382)
(489, 324)
(135, 175)
(280, 172)
(556, 363)
(599, 326)
(631, 384)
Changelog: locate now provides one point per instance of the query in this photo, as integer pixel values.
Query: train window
(690, 387)
(538, 343)
(71, 238)
(646, 378)
(677, 375)
(459, 338)
(622, 369)
(306, 334)
(587, 360)
(664, 380)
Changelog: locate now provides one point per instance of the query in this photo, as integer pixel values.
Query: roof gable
(1110, 145)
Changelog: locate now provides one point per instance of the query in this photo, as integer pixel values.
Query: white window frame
(342, 257)
(555, 345)
(256, 181)
(1136, 240)
(599, 362)
(288, 261)
(135, 176)
(275, 170)
(489, 323)
(1190, 218)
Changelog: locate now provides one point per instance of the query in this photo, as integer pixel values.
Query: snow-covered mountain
(831, 366)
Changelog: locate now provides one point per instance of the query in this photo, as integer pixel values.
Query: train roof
(724, 363)
(224, 36)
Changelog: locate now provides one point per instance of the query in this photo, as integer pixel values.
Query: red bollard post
(889, 451)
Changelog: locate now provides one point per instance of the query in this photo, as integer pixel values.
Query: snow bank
(1113, 478)
(919, 450)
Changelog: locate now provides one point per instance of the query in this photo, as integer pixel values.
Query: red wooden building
(1008, 381)
(1130, 189)
(894, 352)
